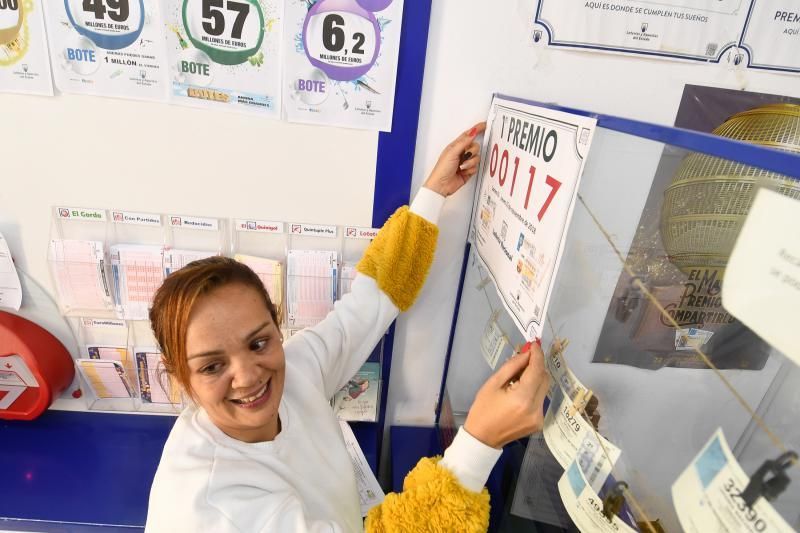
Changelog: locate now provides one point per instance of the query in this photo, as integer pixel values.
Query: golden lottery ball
(708, 199)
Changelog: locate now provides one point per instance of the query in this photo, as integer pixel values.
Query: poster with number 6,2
(531, 167)
(225, 54)
(341, 62)
(107, 47)
(24, 61)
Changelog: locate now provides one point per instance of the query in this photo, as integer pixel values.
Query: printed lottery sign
(341, 61)
(225, 54)
(344, 44)
(107, 47)
(532, 163)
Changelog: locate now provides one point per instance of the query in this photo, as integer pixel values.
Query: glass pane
(673, 216)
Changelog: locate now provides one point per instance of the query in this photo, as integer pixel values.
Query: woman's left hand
(450, 172)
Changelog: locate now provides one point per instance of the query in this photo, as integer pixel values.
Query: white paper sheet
(155, 385)
(311, 286)
(762, 280)
(10, 288)
(177, 259)
(707, 495)
(269, 271)
(107, 379)
(121, 354)
(585, 505)
(370, 492)
(225, 55)
(493, 342)
(759, 34)
(532, 162)
(24, 58)
(341, 62)
(568, 435)
(771, 36)
(669, 28)
(138, 271)
(107, 49)
(78, 269)
(358, 400)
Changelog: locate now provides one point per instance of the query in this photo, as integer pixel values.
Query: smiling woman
(260, 449)
(229, 358)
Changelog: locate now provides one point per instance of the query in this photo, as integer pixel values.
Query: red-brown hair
(176, 298)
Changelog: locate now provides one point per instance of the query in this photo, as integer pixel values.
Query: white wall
(477, 48)
(106, 153)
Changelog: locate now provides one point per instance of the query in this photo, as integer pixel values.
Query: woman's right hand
(510, 404)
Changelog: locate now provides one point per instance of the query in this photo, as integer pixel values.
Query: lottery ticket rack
(634, 445)
(106, 264)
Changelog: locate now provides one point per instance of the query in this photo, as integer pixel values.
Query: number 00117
(501, 170)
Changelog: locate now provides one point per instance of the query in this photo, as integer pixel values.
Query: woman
(260, 449)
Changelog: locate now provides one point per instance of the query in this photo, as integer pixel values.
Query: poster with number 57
(532, 163)
(341, 62)
(225, 54)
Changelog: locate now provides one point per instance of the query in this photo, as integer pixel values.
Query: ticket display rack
(648, 416)
(261, 245)
(106, 346)
(312, 273)
(137, 257)
(106, 266)
(306, 268)
(77, 251)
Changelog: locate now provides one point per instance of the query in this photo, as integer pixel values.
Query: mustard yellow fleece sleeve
(432, 501)
(399, 258)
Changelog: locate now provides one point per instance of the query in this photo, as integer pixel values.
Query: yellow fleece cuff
(399, 258)
(432, 500)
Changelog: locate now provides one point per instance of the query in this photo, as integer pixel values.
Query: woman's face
(236, 362)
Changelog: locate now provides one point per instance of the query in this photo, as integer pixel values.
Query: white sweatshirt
(303, 480)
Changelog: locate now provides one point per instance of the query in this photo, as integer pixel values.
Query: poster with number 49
(532, 163)
(107, 47)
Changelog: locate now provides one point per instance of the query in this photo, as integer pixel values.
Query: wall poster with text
(107, 47)
(762, 34)
(341, 62)
(687, 230)
(533, 158)
(225, 54)
(24, 60)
